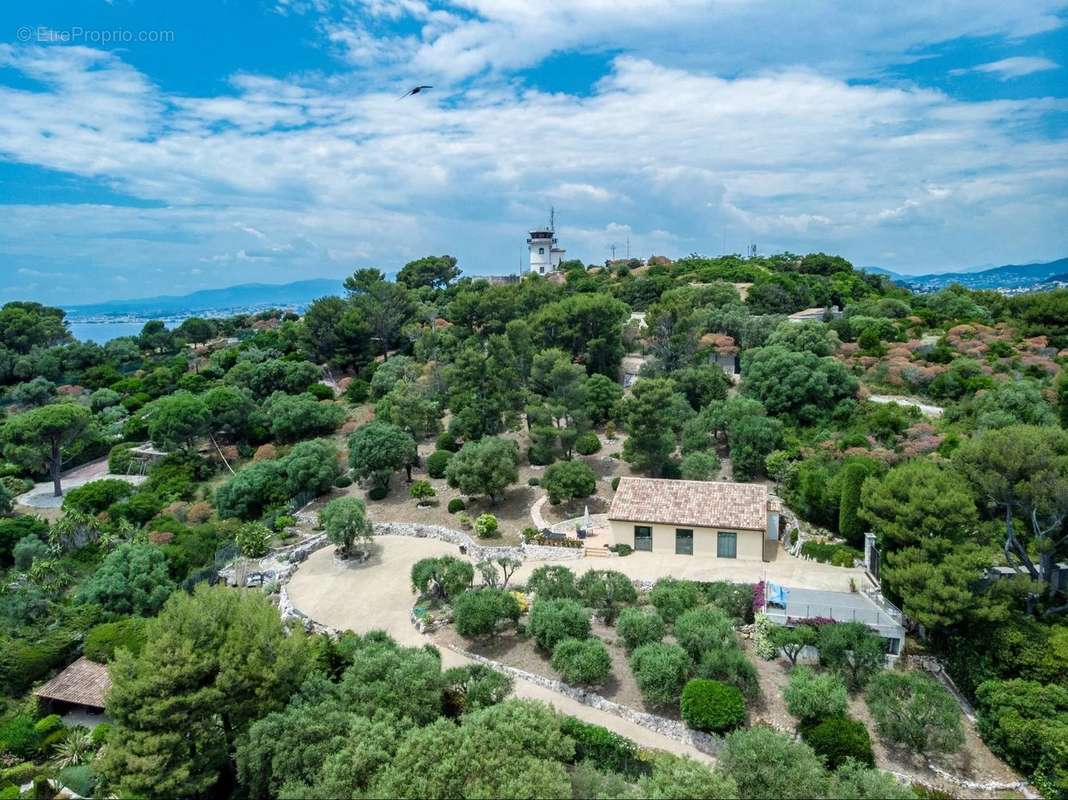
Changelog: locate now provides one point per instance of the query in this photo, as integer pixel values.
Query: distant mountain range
(245, 297)
(1017, 277)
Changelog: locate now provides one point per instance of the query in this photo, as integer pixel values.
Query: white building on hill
(545, 256)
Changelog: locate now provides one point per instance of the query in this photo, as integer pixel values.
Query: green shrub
(456, 504)
(437, 462)
(852, 650)
(673, 597)
(607, 749)
(552, 621)
(447, 442)
(103, 640)
(915, 710)
(587, 444)
(15, 529)
(10, 792)
(478, 612)
(24, 661)
(357, 391)
(100, 733)
(19, 774)
(701, 630)
(533, 481)
(343, 481)
(810, 696)
(320, 391)
(730, 665)
(48, 725)
(712, 706)
(18, 737)
(621, 549)
(553, 582)
(28, 550)
(838, 555)
(661, 671)
(638, 626)
(422, 492)
(97, 496)
(615, 482)
(582, 661)
(839, 738)
(119, 458)
(486, 526)
(733, 599)
(81, 780)
(377, 493)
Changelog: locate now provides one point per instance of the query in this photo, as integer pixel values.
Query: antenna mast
(552, 218)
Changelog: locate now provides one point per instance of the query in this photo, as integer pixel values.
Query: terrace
(869, 607)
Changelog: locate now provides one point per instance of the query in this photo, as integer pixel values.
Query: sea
(104, 331)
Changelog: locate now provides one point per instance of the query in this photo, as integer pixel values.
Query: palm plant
(75, 749)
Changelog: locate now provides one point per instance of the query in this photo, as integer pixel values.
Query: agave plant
(75, 749)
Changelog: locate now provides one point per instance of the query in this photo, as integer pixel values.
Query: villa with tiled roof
(716, 519)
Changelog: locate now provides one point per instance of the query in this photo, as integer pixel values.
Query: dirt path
(378, 594)
(929, 410)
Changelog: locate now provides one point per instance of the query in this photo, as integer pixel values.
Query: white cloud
(1015, 67)
(325, 178)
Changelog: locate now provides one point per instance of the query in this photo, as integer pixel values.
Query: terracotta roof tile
(705, 504)
(84, 683)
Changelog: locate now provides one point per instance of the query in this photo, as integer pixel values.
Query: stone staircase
(597, 552)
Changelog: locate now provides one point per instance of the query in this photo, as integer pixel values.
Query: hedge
(838, 555)
(712, 706)
(103, 640)
(608, 750)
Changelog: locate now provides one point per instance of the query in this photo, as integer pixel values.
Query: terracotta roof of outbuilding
(703, 504)
(83, 683)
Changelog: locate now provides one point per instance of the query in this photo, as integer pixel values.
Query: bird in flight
(414, 90)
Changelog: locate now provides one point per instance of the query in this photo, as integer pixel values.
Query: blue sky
(150, 148)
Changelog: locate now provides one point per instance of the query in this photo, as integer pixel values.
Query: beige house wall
(750, 543)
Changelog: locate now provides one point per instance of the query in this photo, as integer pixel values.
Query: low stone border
(474, 549)
(665, 727)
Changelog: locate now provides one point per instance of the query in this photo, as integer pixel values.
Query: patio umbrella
(586, 518)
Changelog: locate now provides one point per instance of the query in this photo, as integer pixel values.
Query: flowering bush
(765, 647)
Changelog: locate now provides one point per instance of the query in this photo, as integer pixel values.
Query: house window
(726, 545)
(683, 542)
(643, 538)
(541, 250)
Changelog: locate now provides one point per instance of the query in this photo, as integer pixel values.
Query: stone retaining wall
(666, 727)
(476, 550)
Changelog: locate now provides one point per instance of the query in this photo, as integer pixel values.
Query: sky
(159, 148)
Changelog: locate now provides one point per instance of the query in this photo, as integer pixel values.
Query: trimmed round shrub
(673, 597)
(638, 626)
(702, 630)
(582, 661)
(436, 463)
(729, 665)
(533, 481)
(839, 738)
(103, 640)
(343, 482)
(810, 696)
(377, 493)
(712, 706)
(553, 582)
(552, 621)
(456, 505)
(661, 671)
(486, 526)
(587, 444)
(478, 612)
(615, 482)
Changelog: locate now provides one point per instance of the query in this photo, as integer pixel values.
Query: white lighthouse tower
(545, 256)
